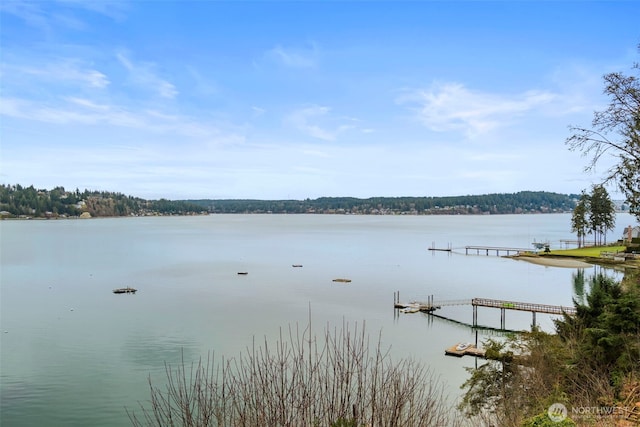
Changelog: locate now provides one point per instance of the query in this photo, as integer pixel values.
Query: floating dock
(470, 350)
(414, 307)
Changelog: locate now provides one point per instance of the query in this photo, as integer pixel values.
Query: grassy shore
(578, 258)
(587, 252)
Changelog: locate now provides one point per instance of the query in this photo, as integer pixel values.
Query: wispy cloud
(88, 104)
(61, 71)
(303, 119)
(47, 16)
(295, 57)
(30, 12)
(81, 111)
(203, 85)
(143, 75)
(114, 9)
(315, 121)
(451, 106)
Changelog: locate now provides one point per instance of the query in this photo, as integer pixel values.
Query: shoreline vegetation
(21, 202)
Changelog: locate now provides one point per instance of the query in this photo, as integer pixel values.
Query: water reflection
(578, 285)
(582, 280)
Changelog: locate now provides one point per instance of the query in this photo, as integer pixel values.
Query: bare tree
(340, 380)
(616, 131)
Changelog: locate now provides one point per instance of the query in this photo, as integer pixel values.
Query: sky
(305, 99)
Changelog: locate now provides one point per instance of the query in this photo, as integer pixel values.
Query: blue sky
(302, 99)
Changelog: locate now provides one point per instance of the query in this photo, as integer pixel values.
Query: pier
(490, 249)
(430, 306)
(520, 306)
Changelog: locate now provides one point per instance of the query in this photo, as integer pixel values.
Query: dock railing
(523, 306)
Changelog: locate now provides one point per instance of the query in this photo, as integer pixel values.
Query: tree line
(513, 203)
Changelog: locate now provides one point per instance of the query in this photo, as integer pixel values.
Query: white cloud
(318, 122)
(451, 106)
(295, 58)
(31, 13)
(88, 104)
(143, 75)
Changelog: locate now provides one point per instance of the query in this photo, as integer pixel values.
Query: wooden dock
(471, 350)
(498, 250)
(430, 306)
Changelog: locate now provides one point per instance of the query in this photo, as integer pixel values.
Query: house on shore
(631, 233)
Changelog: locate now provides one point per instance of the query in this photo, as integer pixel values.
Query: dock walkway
(523, 306)
(497, 249)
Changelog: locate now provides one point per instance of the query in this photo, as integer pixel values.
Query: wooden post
(475, 315)
(534, 320)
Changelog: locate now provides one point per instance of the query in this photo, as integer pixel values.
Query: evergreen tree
(579, 222)
(601, 214)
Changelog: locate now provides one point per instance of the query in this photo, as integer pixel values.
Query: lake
(73, 353)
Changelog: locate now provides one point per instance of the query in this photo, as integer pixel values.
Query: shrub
(339, 380)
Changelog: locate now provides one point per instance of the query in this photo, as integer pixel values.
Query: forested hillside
(18, 201)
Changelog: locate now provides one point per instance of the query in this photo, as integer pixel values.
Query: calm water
(75, 354)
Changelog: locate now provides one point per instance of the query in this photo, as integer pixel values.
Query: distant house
(631, 233)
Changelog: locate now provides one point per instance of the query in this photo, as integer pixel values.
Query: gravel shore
(555, 262)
